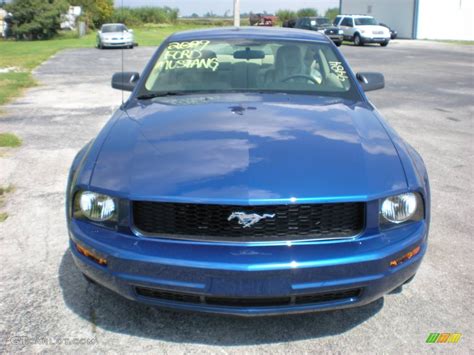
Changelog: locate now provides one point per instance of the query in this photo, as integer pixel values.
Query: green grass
(464, 43)
(6, 190)
(24, 56)
(13, 84)
(3, 192)
(9, 140)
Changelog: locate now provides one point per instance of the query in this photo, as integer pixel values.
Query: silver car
(115, 35)
(362, 29)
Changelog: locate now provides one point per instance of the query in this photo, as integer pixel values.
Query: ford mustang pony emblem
(250, 219)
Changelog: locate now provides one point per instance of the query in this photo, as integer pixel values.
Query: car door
(305, 24)
(347, 26)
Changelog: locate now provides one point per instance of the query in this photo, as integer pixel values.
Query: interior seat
(288, 62)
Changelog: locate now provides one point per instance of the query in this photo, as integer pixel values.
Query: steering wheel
(302, 76)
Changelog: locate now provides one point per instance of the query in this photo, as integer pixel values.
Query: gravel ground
(47, 306)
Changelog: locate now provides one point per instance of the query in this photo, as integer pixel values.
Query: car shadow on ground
(366, 45)
(109, 311)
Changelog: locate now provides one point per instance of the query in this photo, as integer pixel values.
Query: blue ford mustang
(248, 174)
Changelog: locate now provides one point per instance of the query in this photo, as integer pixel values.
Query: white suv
(362, 29)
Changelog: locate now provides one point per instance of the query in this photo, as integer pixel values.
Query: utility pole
(237, 13)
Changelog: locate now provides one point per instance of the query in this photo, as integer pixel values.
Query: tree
(307, 12)
(36, 19)
(210, 14)
(104, 11)
(285, 15)
(332, 13)
(95, 12)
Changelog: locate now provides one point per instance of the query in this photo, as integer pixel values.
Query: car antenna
(123, 33)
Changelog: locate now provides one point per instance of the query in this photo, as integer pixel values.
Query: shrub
(142, 15)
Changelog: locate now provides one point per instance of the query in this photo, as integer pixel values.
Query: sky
(187, 7)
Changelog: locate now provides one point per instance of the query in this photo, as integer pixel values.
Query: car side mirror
(131, 31)
(125, 80)
(371, 81)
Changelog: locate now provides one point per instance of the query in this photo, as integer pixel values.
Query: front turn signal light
(405, 257)
(91, 255)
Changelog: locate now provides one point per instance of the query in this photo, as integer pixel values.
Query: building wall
(446, 19)
(397, 14)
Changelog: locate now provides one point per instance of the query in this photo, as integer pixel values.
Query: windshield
(249, 65)
(365, 21)
(113, 28)
(322, 21)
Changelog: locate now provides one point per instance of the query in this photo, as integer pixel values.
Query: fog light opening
(405, 257)
(91, 255)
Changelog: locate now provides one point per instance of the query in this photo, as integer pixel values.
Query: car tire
(101, 46)
(384, 44)
(338, 44)
(358, 40)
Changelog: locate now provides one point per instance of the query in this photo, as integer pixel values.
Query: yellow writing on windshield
(188, 55)
(339, 70)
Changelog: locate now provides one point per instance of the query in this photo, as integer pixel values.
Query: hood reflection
(281, 149)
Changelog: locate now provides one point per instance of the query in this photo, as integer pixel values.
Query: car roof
(275, 33)
(113, 24)
(355, 15)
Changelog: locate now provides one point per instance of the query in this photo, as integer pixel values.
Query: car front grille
(248, 302)
(283, 222)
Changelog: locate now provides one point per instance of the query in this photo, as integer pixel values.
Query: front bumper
(118, 43)
(375, 39)
(336, 38)
(196, 271)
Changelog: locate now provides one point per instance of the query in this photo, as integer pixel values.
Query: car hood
(248, 149)
(328, 27)
(376, 28)
(110, 35)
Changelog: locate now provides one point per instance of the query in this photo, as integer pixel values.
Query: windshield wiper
(159, 94)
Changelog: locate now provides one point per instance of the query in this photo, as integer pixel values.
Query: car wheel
(338, 44)
(384, 44)
(358, 40)
(101, 46)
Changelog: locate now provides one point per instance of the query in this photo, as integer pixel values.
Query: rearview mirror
(125, 80)
(371, 81)
(249, 54)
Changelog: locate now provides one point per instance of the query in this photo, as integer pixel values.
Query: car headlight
(341, 32)
(401, 208)
(94, 206)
